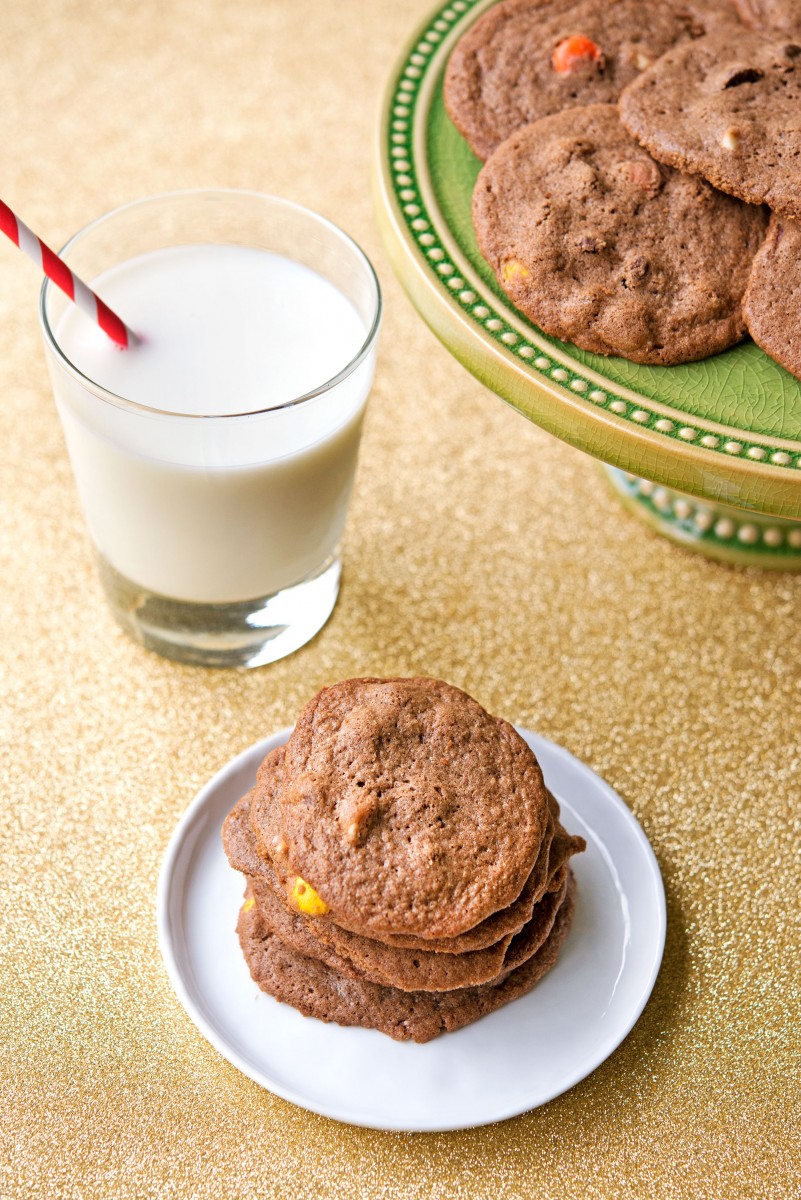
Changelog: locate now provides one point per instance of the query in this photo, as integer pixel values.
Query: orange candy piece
(573, 52)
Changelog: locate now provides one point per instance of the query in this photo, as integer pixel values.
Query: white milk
(215, 508)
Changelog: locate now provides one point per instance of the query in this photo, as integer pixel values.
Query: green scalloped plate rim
(727, 428)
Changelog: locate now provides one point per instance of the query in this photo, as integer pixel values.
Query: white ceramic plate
(510, 1061)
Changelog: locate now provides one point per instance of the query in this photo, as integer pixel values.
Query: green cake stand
(708, 454)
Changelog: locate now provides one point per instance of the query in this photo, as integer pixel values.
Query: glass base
(249, 633)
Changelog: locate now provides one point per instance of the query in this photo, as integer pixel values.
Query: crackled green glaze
(727, 429)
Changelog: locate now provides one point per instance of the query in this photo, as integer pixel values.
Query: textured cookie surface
(318, 991)
(507, 70)
(265, 819)
(408, 808)
(601, 246)
(771, 16)
(727, 108)
(357, 956)
(772, 303)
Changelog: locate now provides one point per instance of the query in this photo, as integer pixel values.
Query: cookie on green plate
(772, 304)
(604, 247)
(525, 59)
(727, 107)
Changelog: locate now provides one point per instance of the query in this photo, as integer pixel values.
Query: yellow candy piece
(307, 899)
(246, 907)
(513, 269)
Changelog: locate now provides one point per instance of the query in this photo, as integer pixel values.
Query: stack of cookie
(405, 865)
(631, 150)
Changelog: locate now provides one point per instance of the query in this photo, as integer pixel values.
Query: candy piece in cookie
(726, 107)
(306, 900)
(601, 246)
(577, 53)
(525, 59)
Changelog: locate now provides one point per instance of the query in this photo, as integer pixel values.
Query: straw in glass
(57, 270)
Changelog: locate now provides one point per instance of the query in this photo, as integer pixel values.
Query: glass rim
(123, 402)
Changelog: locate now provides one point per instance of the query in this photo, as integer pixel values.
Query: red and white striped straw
(57, 270)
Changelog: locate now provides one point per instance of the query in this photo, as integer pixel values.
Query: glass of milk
(215, 458)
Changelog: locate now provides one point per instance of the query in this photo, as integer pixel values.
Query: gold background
(478, 549)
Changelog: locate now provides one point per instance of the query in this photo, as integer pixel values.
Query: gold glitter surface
(478, 549)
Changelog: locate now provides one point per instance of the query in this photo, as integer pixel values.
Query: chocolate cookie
(547, 874)
(318, 991)
(601, 246)
(408, 808)
(772, 304)
(726, 107)
(357, 956)
(526, 59)
(771, 16)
